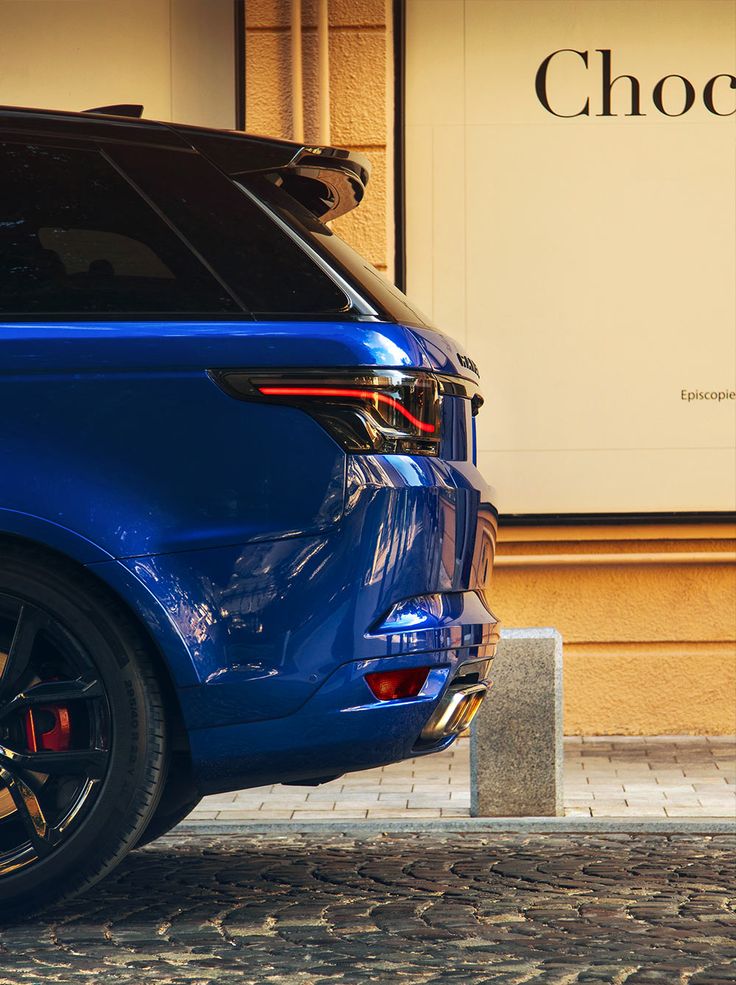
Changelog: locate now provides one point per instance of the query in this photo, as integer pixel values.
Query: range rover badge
(467, 363)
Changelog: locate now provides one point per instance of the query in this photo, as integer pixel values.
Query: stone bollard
(516, 753)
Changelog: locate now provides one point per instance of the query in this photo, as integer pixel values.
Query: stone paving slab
(605, 776)
(413, 909)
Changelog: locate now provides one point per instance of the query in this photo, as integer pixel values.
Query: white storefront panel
(584, 251)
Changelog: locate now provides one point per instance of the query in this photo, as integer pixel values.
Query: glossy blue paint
(339, 729)
(54, 535)
(179, 346)
(271, 569)
(142, 463)
(266, 623)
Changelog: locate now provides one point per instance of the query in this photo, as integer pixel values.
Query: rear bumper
(274, 637)
(341, 728)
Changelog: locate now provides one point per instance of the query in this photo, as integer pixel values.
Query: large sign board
(571, 218)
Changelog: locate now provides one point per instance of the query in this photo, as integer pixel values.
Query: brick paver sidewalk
(608, 776)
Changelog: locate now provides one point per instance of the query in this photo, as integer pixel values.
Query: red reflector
(387, 685)
(328, 391)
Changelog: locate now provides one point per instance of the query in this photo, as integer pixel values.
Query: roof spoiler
(133, 110)
(328, 181)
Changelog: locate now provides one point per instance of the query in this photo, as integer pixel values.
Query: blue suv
(242, 536)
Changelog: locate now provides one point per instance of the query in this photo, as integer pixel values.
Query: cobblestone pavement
(605, 776)
(436, 910)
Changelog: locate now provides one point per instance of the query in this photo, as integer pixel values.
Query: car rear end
(399, 583)
(387, 610)
(243, 539)
(279, 474)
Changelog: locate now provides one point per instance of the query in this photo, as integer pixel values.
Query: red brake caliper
(57, 729)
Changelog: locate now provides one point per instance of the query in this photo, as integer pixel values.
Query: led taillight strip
(326, 391)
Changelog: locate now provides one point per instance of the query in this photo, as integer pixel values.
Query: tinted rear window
(266, 269)
(75, 237)
(359, 272)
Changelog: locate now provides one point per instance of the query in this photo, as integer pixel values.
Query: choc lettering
(673, 95)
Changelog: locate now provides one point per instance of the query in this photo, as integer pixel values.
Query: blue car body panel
(261, 649)
(145, 453)
(277, 550)
(265, 562)
(341, 728)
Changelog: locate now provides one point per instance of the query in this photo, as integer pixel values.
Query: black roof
(328, 180)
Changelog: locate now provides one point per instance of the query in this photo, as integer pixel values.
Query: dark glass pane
(357, 271)
(75, 237)
(267, 270)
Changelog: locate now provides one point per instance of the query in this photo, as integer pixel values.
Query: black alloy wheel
(82, 731)
(54, 733)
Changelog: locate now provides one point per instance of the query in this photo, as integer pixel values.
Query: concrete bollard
(516, 753)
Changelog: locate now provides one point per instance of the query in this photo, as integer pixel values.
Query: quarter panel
(152, 462)
(267, 623)
(117, 434)
(120, 440)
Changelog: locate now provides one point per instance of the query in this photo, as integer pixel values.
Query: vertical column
(516, 753)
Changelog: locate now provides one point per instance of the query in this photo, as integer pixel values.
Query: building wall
(176, 57)
(361, 60)
(647, 612)
(648, 618)
(587, 262)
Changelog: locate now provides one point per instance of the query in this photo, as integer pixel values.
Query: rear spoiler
(132, 110)
(328, 181)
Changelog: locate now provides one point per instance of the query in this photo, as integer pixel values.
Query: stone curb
(520, 825)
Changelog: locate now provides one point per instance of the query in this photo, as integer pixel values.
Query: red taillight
(387, 685)
(351, 394)
(387, 411)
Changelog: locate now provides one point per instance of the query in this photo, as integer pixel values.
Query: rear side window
(267, 270)
(76, 237)
(356, 270)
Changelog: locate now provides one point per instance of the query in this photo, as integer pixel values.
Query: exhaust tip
(455, 712)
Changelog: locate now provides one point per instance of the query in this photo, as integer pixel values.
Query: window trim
(359, 308)
(349, 313)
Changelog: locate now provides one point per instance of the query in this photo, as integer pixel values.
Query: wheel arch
(40, 532)
(99, 574)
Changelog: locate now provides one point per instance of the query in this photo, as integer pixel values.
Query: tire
(178, 800)
(164, 820)
(83, 743)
